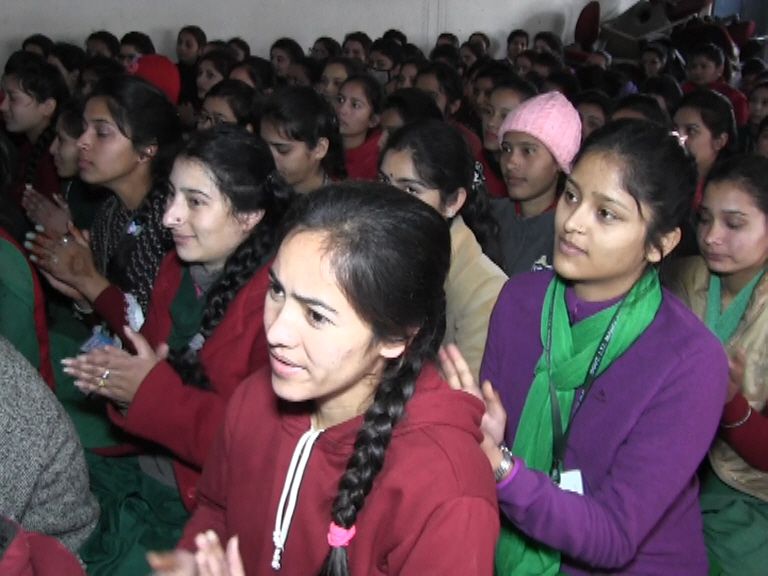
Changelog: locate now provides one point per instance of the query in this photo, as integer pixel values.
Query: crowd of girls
(360, 311)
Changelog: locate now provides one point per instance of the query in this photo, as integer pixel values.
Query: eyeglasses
(206, 119)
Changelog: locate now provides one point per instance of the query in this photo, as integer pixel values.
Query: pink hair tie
(338, 536)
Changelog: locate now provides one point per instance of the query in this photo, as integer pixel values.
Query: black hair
(288, 45)
(197, 33)
(596, 98)
(313, 69)
(40, 40)
(752, 66)
(519, 32)
(353, 66)
(762, 127)
(241, 166)
(361, 38)
(452, 38)
(101, 66)
(244, 101)
(411, 104)
(331, 46)
(396, 35)
(477, 52)
(413, 53)
(646, 106)
(220, 46)
(447, 77)
(517, 84)
(108, 39)
(566, 82)
(388, 48)
(390, 254)
(656, 170)
(241, 45)
(657, 49)
(443, 159)
(710, 52)
(222, 60)
(144, 114)
(748, 173)
(552, 40)
(666, 87)
(497, 71)
(71, 118)
(300, 113)
(447, 54)
(593, 77)
(41, 81)
(547, 59)
(717, 114)
(12, 219)
(71, 57)
(484, 38)
(260, 71)
(374, 92)
(140, 41)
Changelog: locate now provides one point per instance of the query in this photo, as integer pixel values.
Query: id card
(571, 481)
(96, 341)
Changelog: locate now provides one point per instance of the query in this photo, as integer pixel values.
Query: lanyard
(560, 438)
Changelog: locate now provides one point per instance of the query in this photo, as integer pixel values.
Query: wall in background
(260, 22)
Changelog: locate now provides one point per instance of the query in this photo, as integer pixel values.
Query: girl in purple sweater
(603, 392)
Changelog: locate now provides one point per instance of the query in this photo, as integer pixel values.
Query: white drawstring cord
(291, 493)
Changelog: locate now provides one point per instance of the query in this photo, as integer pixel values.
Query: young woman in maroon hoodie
(351, 455)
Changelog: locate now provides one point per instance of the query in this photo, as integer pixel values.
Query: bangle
(505, 465)
(740, 422)
(83, 310)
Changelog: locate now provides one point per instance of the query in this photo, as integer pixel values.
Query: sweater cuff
(517, 463)
(735, 410)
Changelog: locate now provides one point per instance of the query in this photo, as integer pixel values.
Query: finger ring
(105, 376)
(65, 239)
(102, 382)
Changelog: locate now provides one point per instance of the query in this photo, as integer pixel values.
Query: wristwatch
(505, 465)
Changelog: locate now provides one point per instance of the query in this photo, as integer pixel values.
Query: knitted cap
(551, 119)
(161, 72)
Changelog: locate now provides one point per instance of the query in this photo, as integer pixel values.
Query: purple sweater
(638, 439)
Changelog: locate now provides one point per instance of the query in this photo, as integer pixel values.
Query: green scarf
(724, 324)
(572, 350)
(186, 312)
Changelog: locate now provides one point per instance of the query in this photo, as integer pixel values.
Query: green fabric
(724, 324)
(88, 413)
(17, 303)
(572, 351)
(735, 528)
(138, 514)
(186, 312)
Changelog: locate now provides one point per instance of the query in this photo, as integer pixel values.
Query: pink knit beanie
(551, 119)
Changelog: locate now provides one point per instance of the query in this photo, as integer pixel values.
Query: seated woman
(231, 102)
(302, 131)
(203, 333)
(358, 108)
(43, 477)
(627, 385)
(77, 202)
(431, 160)
(130, 131)
(335, 72)
(538, 141)
(728, 290)
(353, 423)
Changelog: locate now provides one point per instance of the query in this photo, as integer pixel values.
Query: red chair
(741, 31)
(588, 26)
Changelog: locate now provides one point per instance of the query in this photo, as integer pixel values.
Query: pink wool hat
(551, 119)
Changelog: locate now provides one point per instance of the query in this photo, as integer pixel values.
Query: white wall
(262, 21)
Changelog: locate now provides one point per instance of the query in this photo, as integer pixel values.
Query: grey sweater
(43, 476)
(526, 243)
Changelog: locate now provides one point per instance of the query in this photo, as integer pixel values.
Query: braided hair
(241, 166)
(443, 159)
(390, 254)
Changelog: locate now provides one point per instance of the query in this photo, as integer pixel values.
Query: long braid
(366, 461)
(239, 268)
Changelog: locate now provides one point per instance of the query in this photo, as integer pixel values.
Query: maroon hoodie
(31, 554)
(432, 509)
